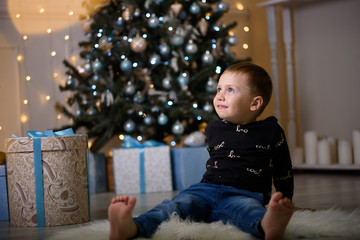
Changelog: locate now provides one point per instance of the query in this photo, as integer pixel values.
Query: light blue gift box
(97, 173)
(188, 165)
(4, 206)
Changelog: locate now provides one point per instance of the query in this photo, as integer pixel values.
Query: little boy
(246, 156)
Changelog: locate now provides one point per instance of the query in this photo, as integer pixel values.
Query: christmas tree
(150, 68)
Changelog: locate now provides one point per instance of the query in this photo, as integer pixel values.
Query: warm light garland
(21, 56)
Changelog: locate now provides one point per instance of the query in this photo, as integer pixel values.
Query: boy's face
(233, 100)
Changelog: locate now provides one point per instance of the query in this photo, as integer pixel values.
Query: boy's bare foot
(277, 217)
(122, 225)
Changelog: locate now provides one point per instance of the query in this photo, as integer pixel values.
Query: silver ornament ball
(177, 128)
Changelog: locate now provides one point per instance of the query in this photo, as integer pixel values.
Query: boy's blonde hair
(258, 79)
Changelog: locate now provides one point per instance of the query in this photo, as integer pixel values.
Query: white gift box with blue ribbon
(47, 179)
(141, 168)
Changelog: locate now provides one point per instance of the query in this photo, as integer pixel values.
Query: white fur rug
(322, 224)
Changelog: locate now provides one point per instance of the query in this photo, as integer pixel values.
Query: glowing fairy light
(24, 118)
(20, 58)
(240, 6)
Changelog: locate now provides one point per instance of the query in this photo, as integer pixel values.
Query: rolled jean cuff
(142, 231)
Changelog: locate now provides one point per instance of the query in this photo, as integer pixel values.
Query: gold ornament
(138, 44)
(203, 26)
(176, 8)
(126, 14)
(86, 25)
(104, 44)
(98, 104)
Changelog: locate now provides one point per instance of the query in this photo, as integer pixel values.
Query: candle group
(328, 150)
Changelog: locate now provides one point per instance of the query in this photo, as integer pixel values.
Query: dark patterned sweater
(249, 157)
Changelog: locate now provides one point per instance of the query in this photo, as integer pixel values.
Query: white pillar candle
(356, 145)
(345, 153)
(297, 156)
(324, 153)
(311, 147)
(333, 149)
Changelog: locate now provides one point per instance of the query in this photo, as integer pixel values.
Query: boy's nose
(220, 96)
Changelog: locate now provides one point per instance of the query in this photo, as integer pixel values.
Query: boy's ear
(256, 103)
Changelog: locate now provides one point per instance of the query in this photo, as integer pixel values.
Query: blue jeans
(206, 202)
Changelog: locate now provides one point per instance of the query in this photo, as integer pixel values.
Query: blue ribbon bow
(130, 142)
(39, 185)
(50, 133)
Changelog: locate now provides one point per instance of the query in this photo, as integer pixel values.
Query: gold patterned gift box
(59, 195)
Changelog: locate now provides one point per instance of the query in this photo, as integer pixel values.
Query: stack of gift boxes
(60, 192)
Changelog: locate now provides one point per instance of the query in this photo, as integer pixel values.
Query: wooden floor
(312, 190)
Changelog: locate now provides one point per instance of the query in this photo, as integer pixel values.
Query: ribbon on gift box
(130, 142)
(39, 186)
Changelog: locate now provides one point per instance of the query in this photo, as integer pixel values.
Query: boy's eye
(219, 89)
(230, 90)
